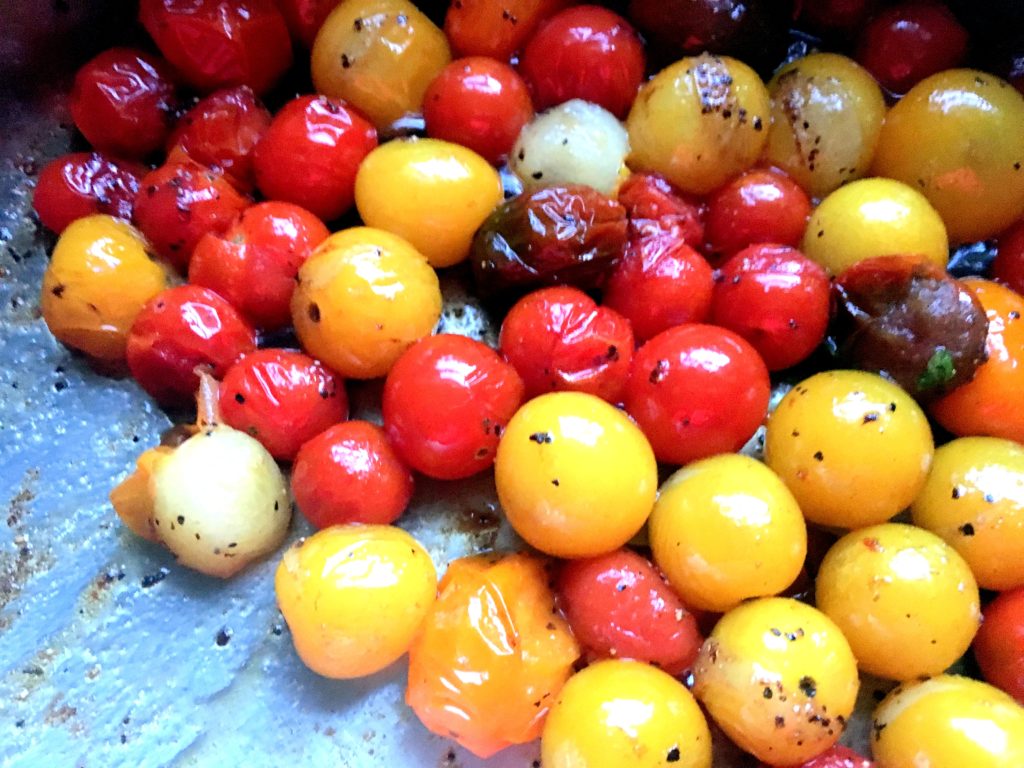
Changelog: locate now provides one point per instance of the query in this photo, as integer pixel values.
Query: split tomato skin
(999, 645)
(655, 206)
(81, 184)
(760, 206)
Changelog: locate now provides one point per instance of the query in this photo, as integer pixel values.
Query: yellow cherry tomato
(874, 217)
(625, 714)
(433, 193)
(853, 448)
(378, 55)
(101, 273)
(957, 136)
(948, 722)
(974, 499)
(699, 122)
(779, 678)
(904, 598)
(725, 529)
(363, 297)
(575, 476)
(827, 112)
(353, 597)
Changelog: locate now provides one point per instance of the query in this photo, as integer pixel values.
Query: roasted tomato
(757, 207)
(835, 757)
(654, 206)
(1008, 266)
(999, 644)
(495, 28)
(305, 17)
(84, 183)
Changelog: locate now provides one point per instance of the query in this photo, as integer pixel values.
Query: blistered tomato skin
(697, 390)
(99, 277)
(974, 499)
(492, 655)
(496, 28)
(779, 678)
(80, 184)
(853, 448)
(654, 207)
(929, 140)
(905, 600)
(363, 297)
(757, 207)
(575, 476)
(1008, 267)
(999, 645)
(625, 714)
(353, 597)
(379, 56)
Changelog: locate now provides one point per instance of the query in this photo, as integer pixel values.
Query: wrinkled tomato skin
(311, 153)
(775, 298)
(123, 102)
(1008, 266)
(446, 403)
(83, 183)
(221, 131)
(179, 329)
(558, 339)
(282, 398)
(254, 263)
(620, 606)
(305, 17)
(697, 390)
(495, 28)
(180, 202)
(655, 206)
(999, 644)
(480, 103)
(220, 43)
(836, 757)
(584, 52)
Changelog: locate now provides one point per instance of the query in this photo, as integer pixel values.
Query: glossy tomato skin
(655, 206)
(1008, 266)
(310, 154)
(217, 44)
(584, 52)
(181, 328)
(496, 28)
(480, 103)
(305, 17)
(83, 183)
(282, 398)
(446, 403)
(835, 757)
(254, 263)
(761, 206)
(697, 390)
(180, 202)
(775, 298)
(558, 339)
(620, 606)
(999, 644)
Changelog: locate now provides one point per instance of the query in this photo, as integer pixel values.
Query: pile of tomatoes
(677, 247)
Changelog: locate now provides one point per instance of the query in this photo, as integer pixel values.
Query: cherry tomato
(220, 43)
(697, 390)
(84, 183)
(281, 398)
(305, 17)
(775, 298)
(758, 206)
(446, 403)
(584, 52)
(495, 28)
(558, 339)
(480, 103)
(179, 203)
(492, 654)
(834, 15)
(351, 474)
(835, 757)
(655, 206)
(176, 331)
(310, 154)
(254, 263)
(123, 102)
(221, 132)
(1008, 266)
(999, 644)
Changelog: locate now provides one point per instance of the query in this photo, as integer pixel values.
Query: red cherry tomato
(181, 328)
(558, 339)
(446, 402)
(655, 206)
(180, 202)
(310, 154)
(999, 644)
(697, 390)
(123, 102)
(585, 52)
(495, 28)
(479, 103)
(834, 15)
(351, 474)
(254, 263)
(282, 398)
(775, 298)
(305, 17)
(619, 606)
(1008, 266)
(221, 132)
(220, 43)
(835, 757)
(757, 207)
(906, 43)
(84, 183)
